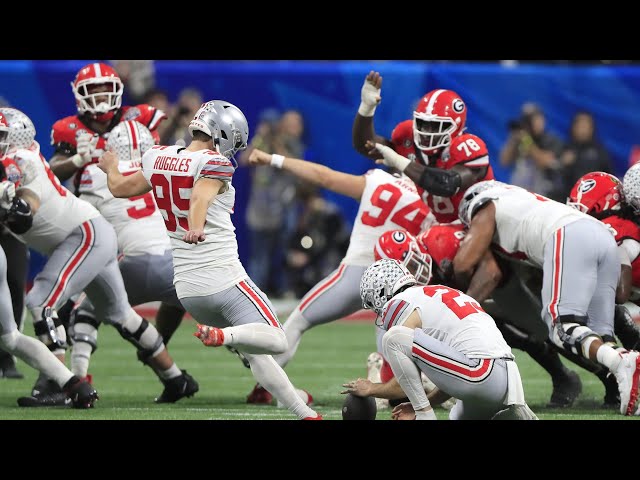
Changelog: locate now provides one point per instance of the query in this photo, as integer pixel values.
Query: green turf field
(328, 356)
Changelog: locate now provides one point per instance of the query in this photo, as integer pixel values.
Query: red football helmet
(4, 135)
(102, 102)
(595, 193)
(439, 116)
(442, 242)
(400, 245)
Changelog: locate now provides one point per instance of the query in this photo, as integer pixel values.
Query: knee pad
(49, 329)
(83, 328)
(9, 341)
(571, 333)
(144, 336)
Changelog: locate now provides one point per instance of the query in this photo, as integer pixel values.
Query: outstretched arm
(122, 186)
(363, 129)
(475, 245)
(325, 177)
(436, 181)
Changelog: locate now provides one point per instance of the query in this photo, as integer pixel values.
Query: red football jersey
(624, 229)
(68, 129)
(466, 149)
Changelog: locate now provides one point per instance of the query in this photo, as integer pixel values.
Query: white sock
(81, 351)
(172, 372)
(609, 357)
(36, 354)
(293, 328)
(256, 338)
(396, 345)
(273, 378)
(80, 355)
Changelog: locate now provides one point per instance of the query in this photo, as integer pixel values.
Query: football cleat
(179, 387)
(8, 368)
(317, 417)
(516, 412)
(82, 394)
(259, 396)
(210, 336)
(565, 391)
(627, 375)
(59, 399)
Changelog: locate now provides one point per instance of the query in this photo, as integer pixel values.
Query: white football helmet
(467, 206)
(225, 123)
(631, 187)
(130, 140)
(381, 281)
(22, 133)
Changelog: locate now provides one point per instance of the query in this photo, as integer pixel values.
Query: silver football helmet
(225, 123)
(130, 140)
(464, 209)
(22, 133)
(381, 281)
(631, 187)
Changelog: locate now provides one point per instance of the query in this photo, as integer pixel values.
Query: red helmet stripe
(432, 101)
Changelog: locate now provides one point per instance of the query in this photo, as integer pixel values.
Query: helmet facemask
(4, 140)
(98, 101)
(431, 132)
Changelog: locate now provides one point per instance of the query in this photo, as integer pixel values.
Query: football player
(431, 149)
(580, 264)
(15, 214)
(446, 335)
(192, 187)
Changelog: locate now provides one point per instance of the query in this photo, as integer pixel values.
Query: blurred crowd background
(546, 123)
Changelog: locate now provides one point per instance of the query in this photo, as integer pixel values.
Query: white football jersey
(136, 220)
(60, 210)
(451, 317)
(526, 220)
(387, 203)
(210, 266)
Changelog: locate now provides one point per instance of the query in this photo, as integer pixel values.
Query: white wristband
(277, 160)
(366, 110)
(77, 160)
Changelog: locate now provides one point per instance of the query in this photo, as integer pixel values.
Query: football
(359, 408)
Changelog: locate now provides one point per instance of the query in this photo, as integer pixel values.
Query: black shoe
(565, 391)
(45, 386)
(177, 388)
(81, 393)
(59, 399)
(242, 358)
(612, 393)
(8, 368)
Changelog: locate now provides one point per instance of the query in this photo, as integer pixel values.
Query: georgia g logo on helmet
(458, 105)
(399, 237)
(587, 185)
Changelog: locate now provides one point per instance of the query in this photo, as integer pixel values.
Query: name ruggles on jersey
(172, 172)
